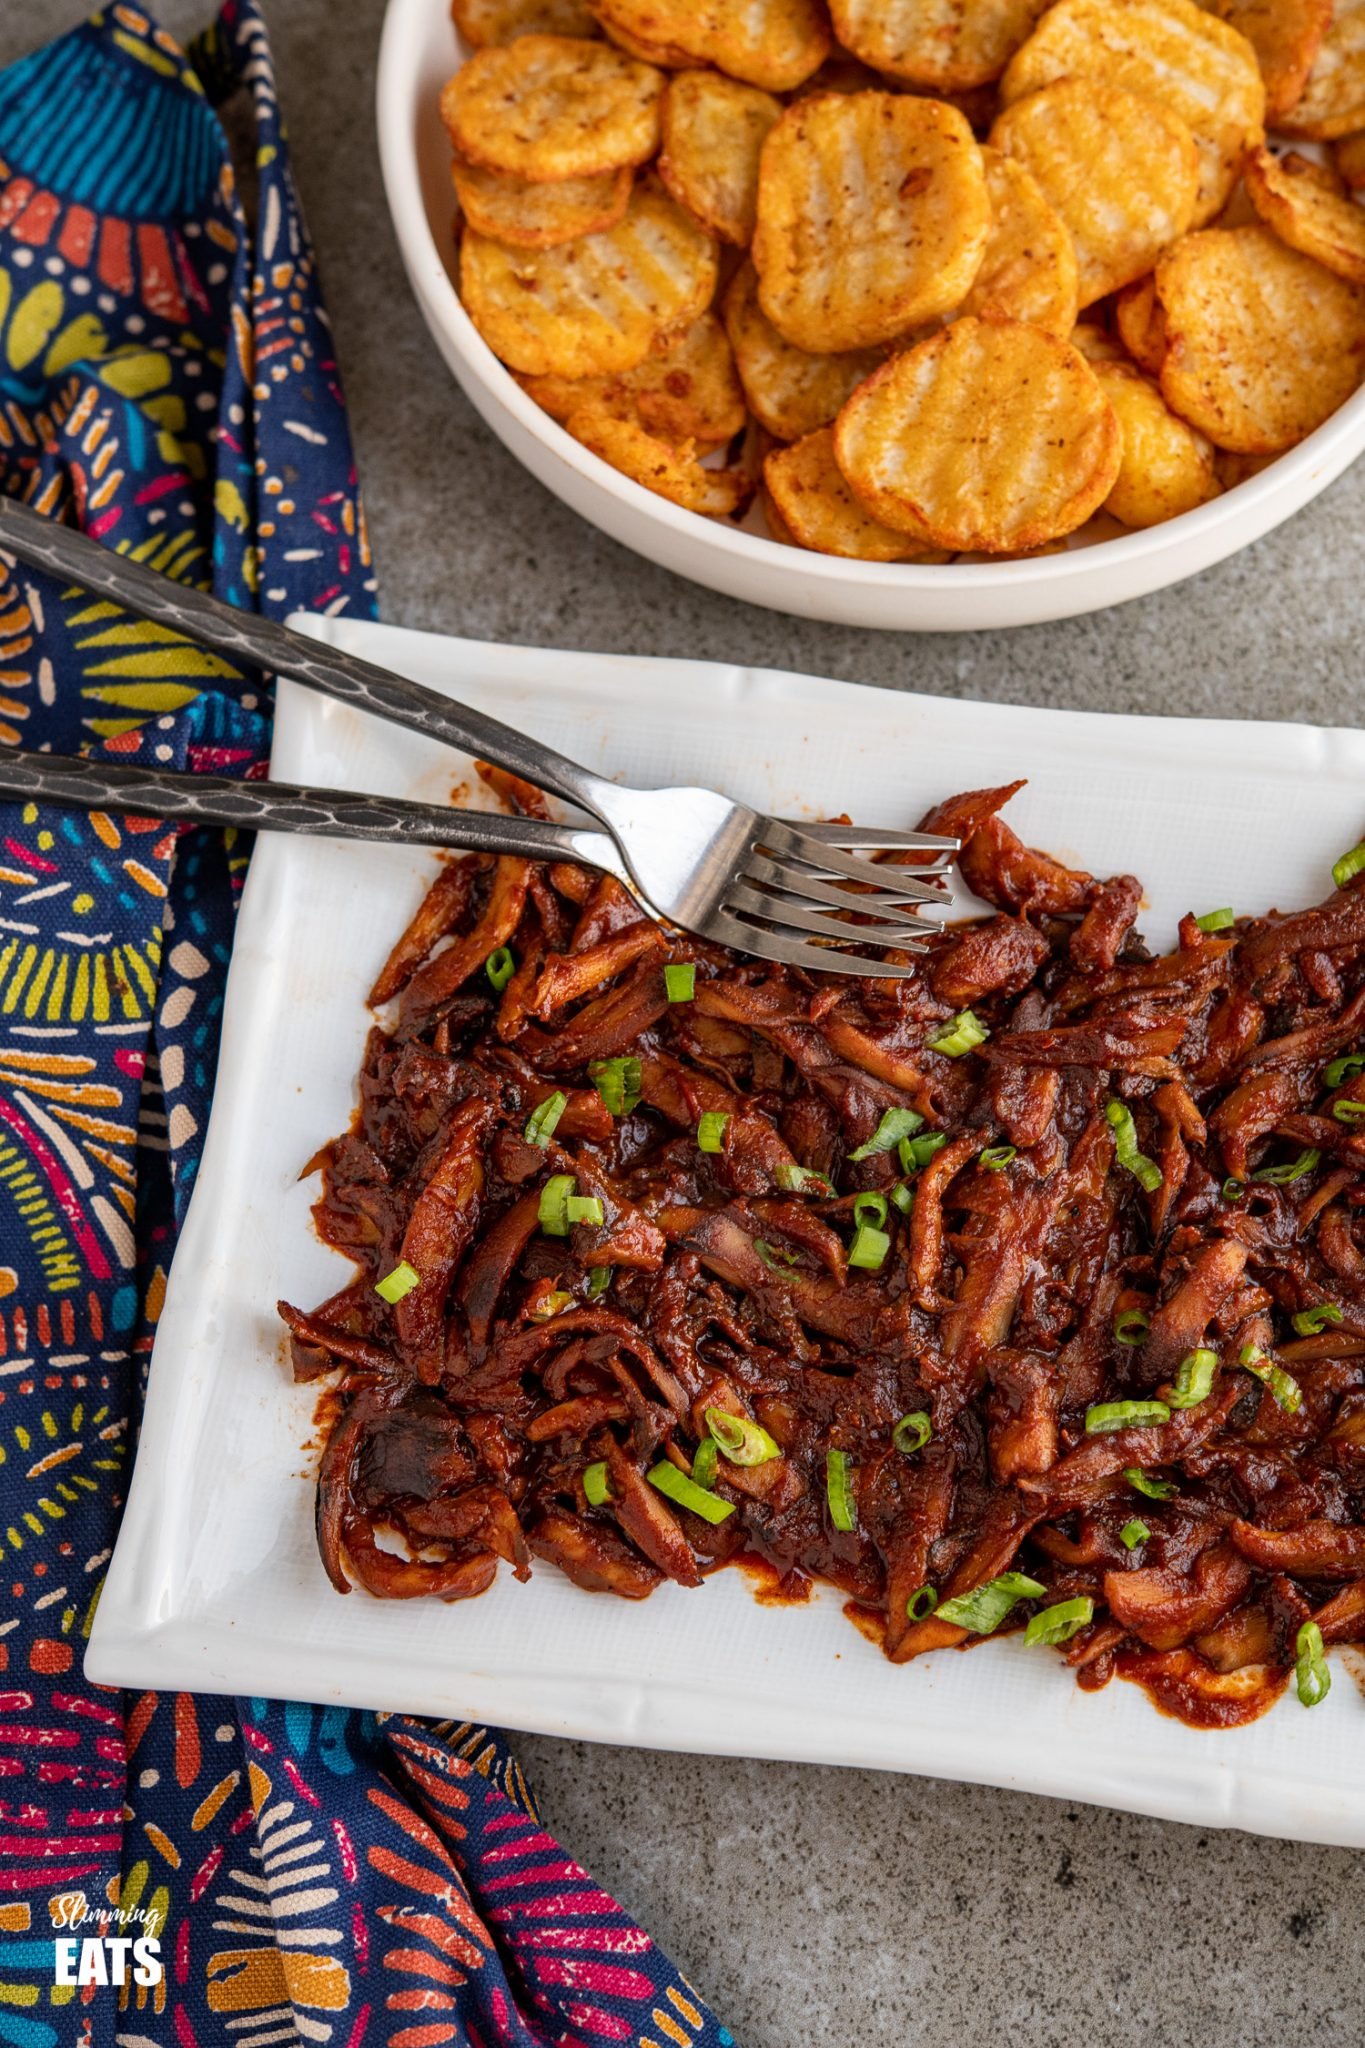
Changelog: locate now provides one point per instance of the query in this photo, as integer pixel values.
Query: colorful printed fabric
(313, 1876)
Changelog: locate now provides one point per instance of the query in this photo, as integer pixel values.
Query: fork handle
(130, 788)
(257, 642)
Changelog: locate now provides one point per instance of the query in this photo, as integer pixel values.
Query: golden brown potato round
(872, 218)
(990, 437)
(1263, 343)
(944, 45)
(790, 392)
(1333, 101)
(486, 22)
(776, 44)
(714, 129)
(1142, 324)
(1305, 204)
(820, 512)
(1286, 36)
(548, 107)
(1029, 271)
(686, 389)
(528, 216)
(1167, 466)
(670, 471)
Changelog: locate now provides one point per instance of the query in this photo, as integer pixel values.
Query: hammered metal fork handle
(132, 788)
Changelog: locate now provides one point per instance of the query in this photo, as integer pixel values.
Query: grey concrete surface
(820, 1905)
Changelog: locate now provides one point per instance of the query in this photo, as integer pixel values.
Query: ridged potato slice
(714, 129)
(669, 469)
(1333, 101)
(686, 389)
(945, 45)
(1029, 271)
(1168, 465)
(776, 44)
(1307, 206)
(548, 107)
(528, 216)
(820, 512)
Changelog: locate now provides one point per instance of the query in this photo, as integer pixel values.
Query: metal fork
(699, 860)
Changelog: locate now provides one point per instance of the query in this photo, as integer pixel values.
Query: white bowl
(419, 51)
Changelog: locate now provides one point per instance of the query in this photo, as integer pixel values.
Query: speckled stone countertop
(819, 1905)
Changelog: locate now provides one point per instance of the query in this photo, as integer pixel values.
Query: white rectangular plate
(216, 1585)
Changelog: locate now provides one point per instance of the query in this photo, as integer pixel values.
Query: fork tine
(828, 924)
(789, 951)
(826, 860)
(901, 885)
(874, 839)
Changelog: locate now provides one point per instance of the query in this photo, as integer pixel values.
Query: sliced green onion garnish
(895, 1125)
(922, 1604)
(541, 1123)
(795, 1180)
(711, 1131)
(839, 1491)
(677, 1486)
(773, 1257)
(1283, 1386)
(1107, 1416)
(1130, 1326)
(1216, 920)
(399, 1282)
(617, 1082)
(961, 1034)
(1335, 1072)
(1120, 1120)
(1349, 865)
(1233, 1189)
(552, 1212)
(985, 1607)
(1310, 1660)
(704, 1463)
(743, 1441)
(1134, 1532)
(584, 1209)
(1142, 1482)
(917, 1152)
(1311, 1322)
(869, 1249)
(903, 1196)
(595, 1486)
(1060, 1623)
(500, 966)
(599, 1280)
(680, 981)
(912, 1432)
(870, 1209)
(1347, 1112)
(1194, 1378)
(996, 1158)
(1284, 1176)
(550, 1305)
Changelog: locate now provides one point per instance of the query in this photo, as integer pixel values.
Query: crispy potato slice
(486, 22)
(669, 469)
(1286, 36)
(714, 129)
(1264, 344)
(1171, 50)
(820, 512)
(686, 389)
(528, 216)
(1121, 171)
(1142, 324)
(548, 107)
(594, 307)
(1307, 208)
(1333, 101)
(947, 45)
(1349, 157)
(790, 391)
(1168, 466)
(872, 218)
(1029, 270)
(773, 43)
(988, 438)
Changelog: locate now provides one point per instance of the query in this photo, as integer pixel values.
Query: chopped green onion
(996, 1158)
(1142, 1482)
(961, 1034)
(870, 1209)
(895, 1125)
(677, 1486)
(1310, 1664)
(1348, 866)
(743, 1441)
(869, 1249)
(983, 1609)
(541, 1123)
(500, 966)
(912, 1432)
(1107, 1416)
(796, 1179)
(711, 1131)
(550, 1305)
(1348, 1112)
(903, 1196)
(773, 1257)
(1120, 1121)
(1311, 1322)
(1134, 1532)
(704, 1463)
(1060, 1623)
(1216, 920)
(680, 981)
(1233, 1189)
(618, 1083)
(839, 1491)
(1283, 1176)
(552, 1213)
(1194, 1378)
(1283, 1386)
(922, 1604)
(1130, 1326)
(599, 1280)
(584, 1209)
(1335, 1072)
(399, 1282)
(917, 1152)
(595, 1486)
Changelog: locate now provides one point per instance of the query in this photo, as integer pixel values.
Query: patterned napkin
(314, 1875)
